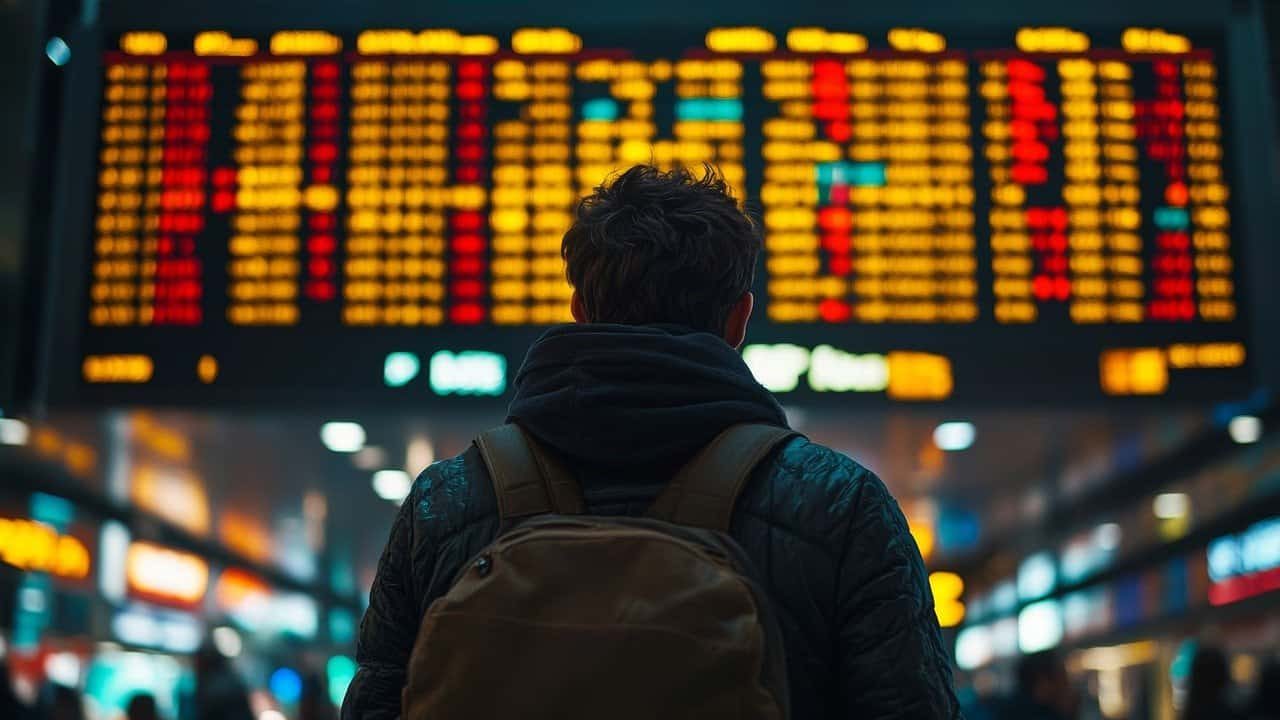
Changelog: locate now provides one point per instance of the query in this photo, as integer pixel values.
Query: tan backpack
(571, 616)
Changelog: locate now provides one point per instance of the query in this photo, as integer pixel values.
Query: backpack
(567, 615)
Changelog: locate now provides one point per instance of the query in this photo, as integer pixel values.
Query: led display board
(298, 215)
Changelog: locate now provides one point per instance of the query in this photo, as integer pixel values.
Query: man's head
(657, 247)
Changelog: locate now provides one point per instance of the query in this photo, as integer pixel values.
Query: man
(662, 266)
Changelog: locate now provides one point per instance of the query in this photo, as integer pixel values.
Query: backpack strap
(703, 493)
(526, 480)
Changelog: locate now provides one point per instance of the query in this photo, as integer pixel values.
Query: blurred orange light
(237, 588)
(165, 574)
(919, 376)
(1134, 371)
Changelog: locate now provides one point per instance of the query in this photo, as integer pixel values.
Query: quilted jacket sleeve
(388, 629)
(891, 659)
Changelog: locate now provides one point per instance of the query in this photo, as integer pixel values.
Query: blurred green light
(471, 372)
(340, 670)
(400, 368)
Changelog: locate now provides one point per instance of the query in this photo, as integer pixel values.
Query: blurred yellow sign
(36, 547)
(947, 588)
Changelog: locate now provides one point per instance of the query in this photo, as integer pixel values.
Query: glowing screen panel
(299, 210)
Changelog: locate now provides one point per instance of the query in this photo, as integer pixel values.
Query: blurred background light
(113, 549)
(400, 368)
(339, 671)
(227, 641)
(57, 50)
(1107, 536)
(1037, 576)
(954, 436)
(419, 454)
(974, 647)
(342, 437)
(392, 485)
(1171, 506)
(13, 431)
(369, 457)
(1245, 429)
(286, 684)
(1039, 626)
(63, 668)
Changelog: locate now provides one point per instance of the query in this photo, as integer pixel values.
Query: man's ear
(576, 307)
(735, 328)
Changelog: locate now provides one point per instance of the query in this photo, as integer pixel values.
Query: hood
(635, 397)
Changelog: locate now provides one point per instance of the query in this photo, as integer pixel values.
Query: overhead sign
(1246, 564)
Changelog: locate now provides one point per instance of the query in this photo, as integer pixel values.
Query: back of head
(1266, 699)
(141, 707)
(64, 704)
(1207, 684)
(655, 247)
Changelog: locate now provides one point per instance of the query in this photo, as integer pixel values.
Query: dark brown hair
(654, 247)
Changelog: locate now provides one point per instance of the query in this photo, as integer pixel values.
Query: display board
(1035, 213)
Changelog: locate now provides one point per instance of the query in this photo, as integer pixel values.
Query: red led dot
(325, 70)
(224, 201)
(467, 289)
(1029, 174)
(471, 131)
(321, 244)
(325, 91)
(470, 265)
(1042, 287)
(470, 90)
(839, 131)
(467, 221)
(835, 219)
(834, 311)
(839, 194)
(320, 290)
(836, 243)
(1176, 194)
(1061, 287)
(320, 267)
(468, 314)
(468, 244)
(324, 112)
(323, 152)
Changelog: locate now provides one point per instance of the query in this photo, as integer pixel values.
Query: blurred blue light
(958, 529)
(861, 174)
(1172, 218)
(600, 109)
(286, 685)
(57, 50)
(711, 109)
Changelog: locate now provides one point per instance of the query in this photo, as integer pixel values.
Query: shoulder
(450, 495)
(824, 475)
(817, 493)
